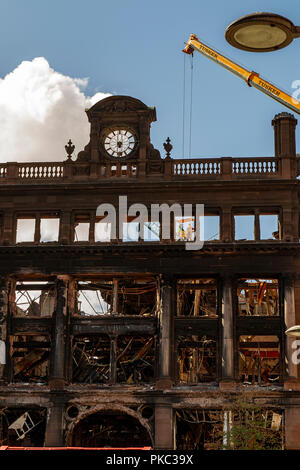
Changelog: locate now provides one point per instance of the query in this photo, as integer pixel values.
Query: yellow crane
(251, 78)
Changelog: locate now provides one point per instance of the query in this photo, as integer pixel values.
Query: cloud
(40, 110)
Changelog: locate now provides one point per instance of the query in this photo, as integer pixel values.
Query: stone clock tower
(120, 132)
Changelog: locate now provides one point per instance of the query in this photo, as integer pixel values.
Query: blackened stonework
(129, 338)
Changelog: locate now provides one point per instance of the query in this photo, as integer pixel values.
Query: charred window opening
(269, 226)
(211, 227)
(135, 359)
(197, 298)
(110, 429)
(259, 360)
(103, 229)
(101, 359)
(91, 359)
(135, 231)
(198, 429)
(22, 427)
(256, 225)
(152, 231)
(30, 358)
(81, 228)
(137, 297)
(34, 299)
(116, 297)
(258, 297)
(38, 228)
(196, 359)
(25, 229)
(185, 228)
(93, 298)
(131, 230)
(244, 227)
(49, 229)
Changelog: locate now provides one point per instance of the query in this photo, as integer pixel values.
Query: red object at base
(73, 448)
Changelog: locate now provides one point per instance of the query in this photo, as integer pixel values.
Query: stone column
(166, 334)
(289, 231)
(8, 228)
(54, 436)
(113, 358)
(65, 228)
(292, 428)
(37, 232)
(226, 225)
(164, 427)
(57, 367)
(256, 226)
(227, 335)
(289, 320)
(70, 311)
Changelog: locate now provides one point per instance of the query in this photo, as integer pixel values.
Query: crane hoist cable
(191, 105)
(251, 78)
(183, 105)
(190, 109)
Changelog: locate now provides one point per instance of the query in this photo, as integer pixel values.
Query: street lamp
(261, 32)
(293, 331)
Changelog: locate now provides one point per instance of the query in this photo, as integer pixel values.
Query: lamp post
(261, 32)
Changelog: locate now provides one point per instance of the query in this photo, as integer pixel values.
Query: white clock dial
(119, 143)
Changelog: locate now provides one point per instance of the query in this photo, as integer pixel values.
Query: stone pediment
(119, 104)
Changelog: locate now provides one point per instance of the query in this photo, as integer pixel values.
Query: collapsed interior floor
(258, 297)
(111, 356)
(101, 359)
(30, 358)
(197, 297)
(259, 359)
(110, 429)
(196, 359)
(116, 297)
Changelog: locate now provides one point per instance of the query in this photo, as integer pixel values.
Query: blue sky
(134, 48)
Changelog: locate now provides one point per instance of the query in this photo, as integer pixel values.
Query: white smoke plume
(40, 110)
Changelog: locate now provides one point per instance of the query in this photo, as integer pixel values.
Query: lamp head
(261, 32)
(293, 331)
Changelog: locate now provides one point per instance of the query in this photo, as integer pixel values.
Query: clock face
(119, 143)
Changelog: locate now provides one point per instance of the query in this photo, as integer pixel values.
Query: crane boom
(251, 78)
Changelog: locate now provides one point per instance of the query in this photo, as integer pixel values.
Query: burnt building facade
(115, 335)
